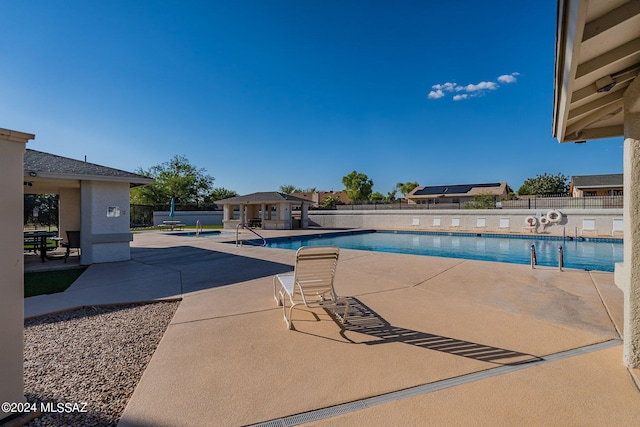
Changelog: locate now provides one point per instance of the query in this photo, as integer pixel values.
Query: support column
(12, 149)
(304, 216)
(631, 276)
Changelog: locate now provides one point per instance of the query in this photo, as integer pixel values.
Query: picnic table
(171, 225)
(39, 240)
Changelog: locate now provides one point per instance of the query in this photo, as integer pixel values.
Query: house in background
(93, 199)
(317, 197)
(596, 185)
(459, 193)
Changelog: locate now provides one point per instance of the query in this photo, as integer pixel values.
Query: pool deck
(431, 340)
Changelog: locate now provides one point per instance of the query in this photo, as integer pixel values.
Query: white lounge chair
(311, 283)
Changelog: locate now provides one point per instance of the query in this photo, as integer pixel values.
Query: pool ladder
(534, 258)
(239, 241)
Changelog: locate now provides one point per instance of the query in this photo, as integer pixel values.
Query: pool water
(587, 254)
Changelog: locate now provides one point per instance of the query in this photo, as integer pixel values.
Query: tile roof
(611, 180)
(263, 197)
(51, 165)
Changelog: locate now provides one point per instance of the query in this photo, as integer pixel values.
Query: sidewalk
(431, 340)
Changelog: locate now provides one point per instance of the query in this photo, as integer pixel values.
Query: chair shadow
(364, 320)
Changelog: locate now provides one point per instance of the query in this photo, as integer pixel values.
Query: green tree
(220, 194)
(524, 190)
(41, 209)
(391, 196)
(330, 202)
(288, 189)
(377, 197)
(406, 187)
(177, 179)
(358, 186)
(482, 201)
(546, 184)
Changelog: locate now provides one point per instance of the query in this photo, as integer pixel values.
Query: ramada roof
(262, 197)
(47, 165)
(459, 190)
(593, 181)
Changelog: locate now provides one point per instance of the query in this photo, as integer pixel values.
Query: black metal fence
(594, 202)
(41, 210)
(141, 216)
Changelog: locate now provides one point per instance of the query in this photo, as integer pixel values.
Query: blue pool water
(588, 254)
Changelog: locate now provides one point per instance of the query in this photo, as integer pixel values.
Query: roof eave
(133, 181)
(571, 15)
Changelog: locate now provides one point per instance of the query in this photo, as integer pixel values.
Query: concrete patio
(433, 341)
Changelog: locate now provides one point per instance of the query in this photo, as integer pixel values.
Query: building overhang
(15, 136)
(597, 58)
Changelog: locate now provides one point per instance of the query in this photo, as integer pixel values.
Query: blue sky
(302, 92)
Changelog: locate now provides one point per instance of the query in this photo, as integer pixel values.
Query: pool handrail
(242, 225)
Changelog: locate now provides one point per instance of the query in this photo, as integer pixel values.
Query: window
(590, 194)
(615, 192)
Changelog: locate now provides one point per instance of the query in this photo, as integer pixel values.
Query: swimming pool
(587, 254)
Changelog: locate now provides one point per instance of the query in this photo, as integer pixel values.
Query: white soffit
(597, 57)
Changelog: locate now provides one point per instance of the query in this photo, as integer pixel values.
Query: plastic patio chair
(311, 282)
(73, 242)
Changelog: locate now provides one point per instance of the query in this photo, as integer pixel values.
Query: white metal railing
(239, 241)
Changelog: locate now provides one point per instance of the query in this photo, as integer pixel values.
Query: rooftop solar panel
(452, 189)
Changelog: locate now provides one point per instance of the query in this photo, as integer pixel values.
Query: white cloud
(481, 86)
(508, 78)
(436, 94)
(449, 87)
(470, 90)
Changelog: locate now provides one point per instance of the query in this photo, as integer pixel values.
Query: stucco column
(12, 149)
(631, 287)
(304, 216)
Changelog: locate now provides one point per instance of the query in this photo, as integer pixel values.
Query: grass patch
(50, 282)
